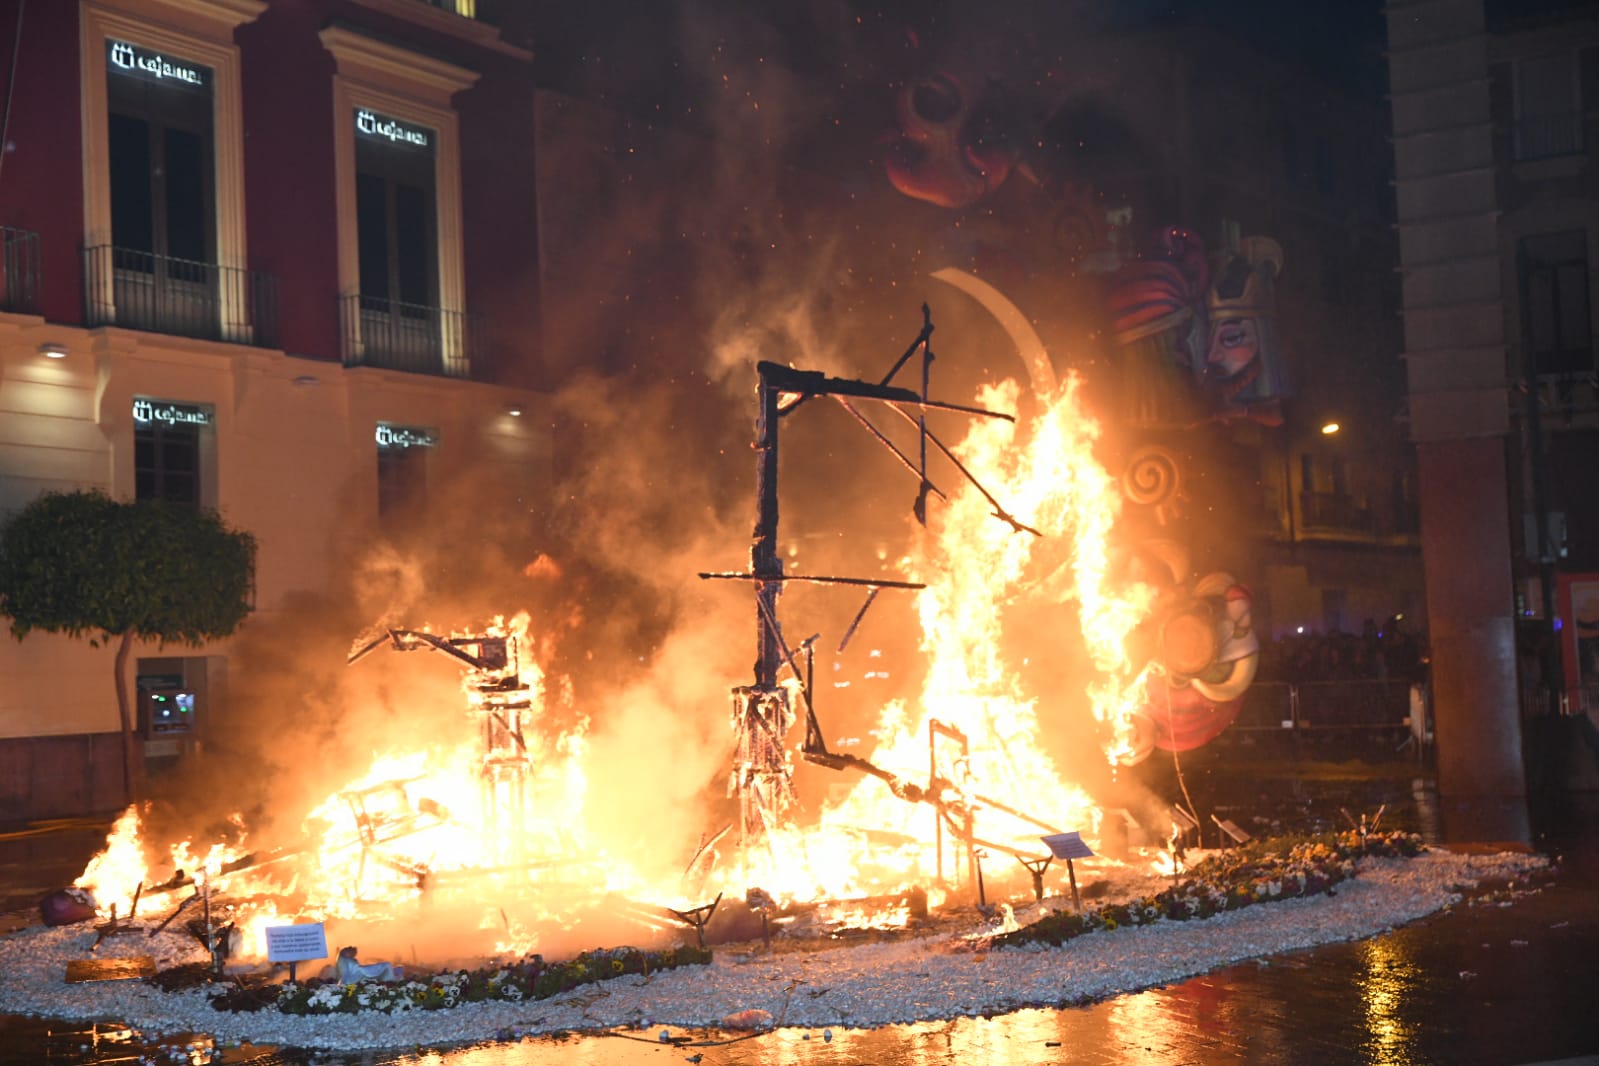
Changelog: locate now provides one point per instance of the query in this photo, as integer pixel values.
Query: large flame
(977, 565)
(431, 815)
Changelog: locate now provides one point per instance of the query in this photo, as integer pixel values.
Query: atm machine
(167, 714)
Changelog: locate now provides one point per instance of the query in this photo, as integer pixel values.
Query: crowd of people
(1385, 653)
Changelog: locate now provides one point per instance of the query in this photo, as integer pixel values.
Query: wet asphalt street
(1496, 985)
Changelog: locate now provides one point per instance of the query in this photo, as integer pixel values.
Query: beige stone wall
(291, 457)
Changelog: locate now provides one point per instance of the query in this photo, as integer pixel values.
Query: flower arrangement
(1259, 873)
(528, 979)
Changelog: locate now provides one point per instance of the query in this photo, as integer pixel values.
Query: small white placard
(1067, 846)
(296, 943)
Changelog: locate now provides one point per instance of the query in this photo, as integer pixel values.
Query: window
(397, 164)
(159, 128)
(402, 467)
(396, 235)
(1324, 474)
(168, 443)
(1554, 302)
(166, 463)
(163, 205)
(1548, 119)
(163, 182)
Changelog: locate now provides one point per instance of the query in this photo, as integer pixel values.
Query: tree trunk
(127, 718)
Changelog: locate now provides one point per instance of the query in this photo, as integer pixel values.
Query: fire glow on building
(488, 831)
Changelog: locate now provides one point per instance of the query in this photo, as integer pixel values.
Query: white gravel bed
(867, 985)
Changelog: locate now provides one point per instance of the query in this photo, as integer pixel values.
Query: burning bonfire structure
(763, 712)
(497, 829)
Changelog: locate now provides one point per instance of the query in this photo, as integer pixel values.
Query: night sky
(658, 58)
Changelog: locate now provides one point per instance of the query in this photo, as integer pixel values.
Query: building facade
(1494, 128)
(277, 260)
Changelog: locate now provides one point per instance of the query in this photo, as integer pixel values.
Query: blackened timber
(904, 459)
(921, 493)
(850, 632)
(787, 379)
(999, 512)
(407, 640)
(766, 566)
(914, 793)
(905, 790)
(813, 728)
(921, 339)
(868, 582)
(779, 378)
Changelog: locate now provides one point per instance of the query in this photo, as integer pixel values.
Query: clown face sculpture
(949, 147)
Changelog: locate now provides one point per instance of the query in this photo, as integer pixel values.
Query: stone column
(1455, 360)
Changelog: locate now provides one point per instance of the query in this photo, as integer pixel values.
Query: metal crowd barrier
(1319, 714)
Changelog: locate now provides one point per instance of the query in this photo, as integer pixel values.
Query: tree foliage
(83, 564)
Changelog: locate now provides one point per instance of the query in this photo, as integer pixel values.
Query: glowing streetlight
(1329, 428)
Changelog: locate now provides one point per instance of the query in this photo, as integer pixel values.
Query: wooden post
(765, 563)
(1071, 875)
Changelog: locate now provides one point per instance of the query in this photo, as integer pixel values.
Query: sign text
(375, 125)
(171, 414)
(132, 59)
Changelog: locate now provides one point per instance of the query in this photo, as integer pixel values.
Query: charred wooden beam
(779, 378)
(850, 632)
(866, 582)
(921, 340)
(905, 460)
(999, 511)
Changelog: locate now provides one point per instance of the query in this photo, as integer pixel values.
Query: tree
(83, 564)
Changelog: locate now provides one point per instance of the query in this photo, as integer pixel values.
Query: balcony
(19, 271)
(1548, 136)
(409, 337)
(1335, 512)
(180, 297)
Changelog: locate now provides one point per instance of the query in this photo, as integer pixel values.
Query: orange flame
(427, 811)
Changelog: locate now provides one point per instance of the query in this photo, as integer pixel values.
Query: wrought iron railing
(1335, 511)
(409, 337)
(183, 297)
(19, 270)
(1548, 136)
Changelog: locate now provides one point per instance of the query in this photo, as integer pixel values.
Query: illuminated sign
(405, 436)
(391, 129)
(131, 59)
(171, 414)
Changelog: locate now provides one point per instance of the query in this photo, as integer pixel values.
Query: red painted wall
(41, 178)
(290, 212)
(290, 216)
(501, 223)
